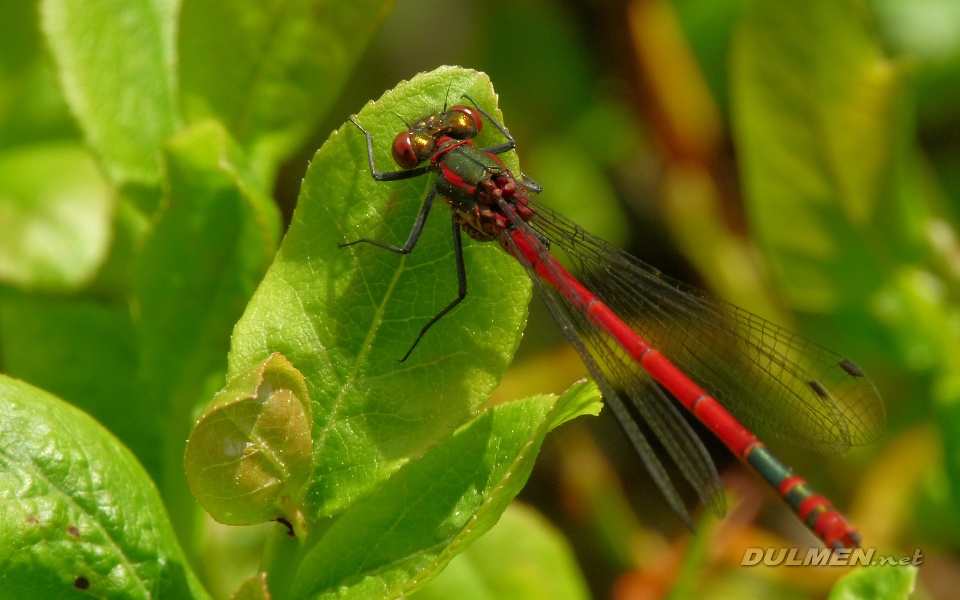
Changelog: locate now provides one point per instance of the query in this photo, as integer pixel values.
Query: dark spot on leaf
(287, 524)
(31, 519)
(81, 583)
(72, 530)
(851, 368)
(818, 389)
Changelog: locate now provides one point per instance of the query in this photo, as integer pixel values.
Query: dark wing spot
(851, 368)
(72, 530)
(81, 583)
(818, 389)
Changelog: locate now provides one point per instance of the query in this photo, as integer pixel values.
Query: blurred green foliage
(799, 158)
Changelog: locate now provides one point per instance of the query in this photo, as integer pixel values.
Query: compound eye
(472, 114)
(403, 152)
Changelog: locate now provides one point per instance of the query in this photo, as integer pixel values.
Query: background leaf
(78, 511)
(815, 106)
(57, 343)
(32, 110)
(55, 207)
(523, 557)
(254, 588)
(196, 268)
(55, 212)
(279, 66)
(200, 261)
(877, 583)
(125, 108)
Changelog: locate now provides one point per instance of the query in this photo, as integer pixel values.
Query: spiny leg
(525, 180)
(414, 234)
(394, 176)
(461, 282)
(510, 144)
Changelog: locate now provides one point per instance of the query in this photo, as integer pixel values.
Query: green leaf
(815, 117)
(19, 47)
(429, 510)
(32, 109)
(114, 280)
(78, 511)
(115, 62)
(254, 588)
(523, 557)
(55, 214)
(279, 65)
(197, 267)
(344, 317)
(876, 583)
(86, 353)
(249, 454)
(200, 262)
(576, 175)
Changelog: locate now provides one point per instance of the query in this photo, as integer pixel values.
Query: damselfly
(643, 336)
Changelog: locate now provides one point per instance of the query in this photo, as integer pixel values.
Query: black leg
(391, 176)
(500, 149)
(414, 234)
(461, 281)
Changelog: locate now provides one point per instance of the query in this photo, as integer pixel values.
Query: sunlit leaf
(432, 508)
(814, 105)
(523, 557)
(876, 583)
(125, 107)
(78, 511)
(278, 65)
(55, 214)
(254, 588)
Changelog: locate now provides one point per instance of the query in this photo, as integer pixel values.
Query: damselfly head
(412, 147)
(417, 143)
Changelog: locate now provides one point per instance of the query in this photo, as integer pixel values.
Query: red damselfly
(643, 336)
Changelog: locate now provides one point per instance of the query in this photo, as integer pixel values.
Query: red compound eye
(403, 152)
(472, 113)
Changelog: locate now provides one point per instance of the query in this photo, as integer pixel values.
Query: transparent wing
(776, 383)
(632, 396)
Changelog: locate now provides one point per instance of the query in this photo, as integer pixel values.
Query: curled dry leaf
(250, 452)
